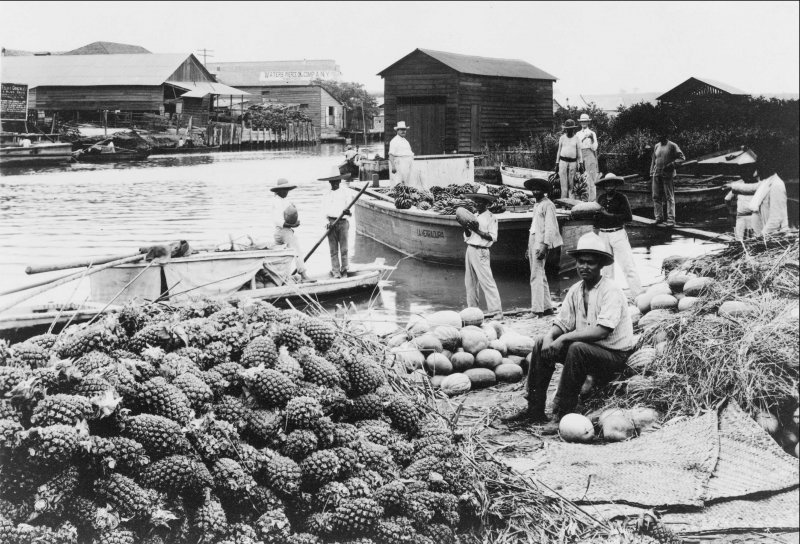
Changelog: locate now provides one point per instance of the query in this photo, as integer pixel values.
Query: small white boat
(34, 153)
(515, 176)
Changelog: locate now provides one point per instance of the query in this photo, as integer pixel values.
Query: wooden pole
(38, 269)
(61, 281)
(329, 227)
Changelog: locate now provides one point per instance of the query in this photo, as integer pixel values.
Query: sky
(592, 48)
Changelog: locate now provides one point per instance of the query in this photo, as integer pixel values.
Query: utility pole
(205, 52)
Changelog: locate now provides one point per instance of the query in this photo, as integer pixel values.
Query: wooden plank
(687, 231)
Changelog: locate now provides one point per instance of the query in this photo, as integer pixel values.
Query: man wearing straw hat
(588, 141)
(568, 157)
(401, 158)
(592, 335)
(545, 237)
(609, 224)
(479, 235)
(285, 218)
(334, 202)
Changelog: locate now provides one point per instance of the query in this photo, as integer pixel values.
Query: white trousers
(566, 172)
(540, 289)
(478, 276)
(620, 247)
(592, 172)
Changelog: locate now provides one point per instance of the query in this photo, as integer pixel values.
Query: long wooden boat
(726, 161)
(428, 236)
(35, 154)
(514, 176)
(690, 191)
(164, 150)
(120, 155)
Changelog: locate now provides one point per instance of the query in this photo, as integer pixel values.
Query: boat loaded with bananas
(174, 272)
(423, 224)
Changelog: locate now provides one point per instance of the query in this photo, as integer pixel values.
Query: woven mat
(750, 461)
(669, 467)
(778, 511)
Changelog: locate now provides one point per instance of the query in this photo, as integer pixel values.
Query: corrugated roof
(268, 73)
(202, 88)
(108, 48)
(483, 66)
(90, 70)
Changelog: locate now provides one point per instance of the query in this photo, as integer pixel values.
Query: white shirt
(770, 202)
(488, 224)
(399, 147)
(279, 205)
(591, 139)
(334, 202)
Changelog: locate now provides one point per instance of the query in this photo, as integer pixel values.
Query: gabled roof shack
(695, 86)
(480, 66)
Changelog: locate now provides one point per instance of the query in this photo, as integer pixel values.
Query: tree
(351, 94)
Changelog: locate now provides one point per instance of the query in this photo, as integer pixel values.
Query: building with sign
(461, 103)
(288, 82)
(81, 87)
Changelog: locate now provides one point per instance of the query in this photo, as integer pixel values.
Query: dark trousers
(337, 241)
(580, 360)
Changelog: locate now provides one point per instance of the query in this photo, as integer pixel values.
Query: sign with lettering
(13, 102)
(298, 75)
(425, 233)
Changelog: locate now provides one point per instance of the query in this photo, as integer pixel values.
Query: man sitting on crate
(592, 335)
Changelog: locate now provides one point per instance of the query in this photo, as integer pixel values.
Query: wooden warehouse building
(80, 86)
(289, 82)
(460, 103)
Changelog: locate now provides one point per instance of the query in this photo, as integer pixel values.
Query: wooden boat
(22, 322)
(515, 176)
(690, 191)
(163, 150)
(727, 161)
(13, 153)
(119, 155)
(428, 236)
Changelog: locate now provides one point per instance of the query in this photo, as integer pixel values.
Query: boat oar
(330, 226)
(71, 277)
(38, 269)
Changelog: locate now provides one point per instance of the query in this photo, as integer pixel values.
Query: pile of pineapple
(215, 423)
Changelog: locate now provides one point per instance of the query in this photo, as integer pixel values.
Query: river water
(56, 214)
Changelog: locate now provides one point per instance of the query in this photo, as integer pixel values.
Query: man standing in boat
(588, 140)
(479, 235)
(334, 202)
(285, 218)
(609, 224)
(569, 159)
(401, 158)
(666, 157)
(544, 238)
(592, 335)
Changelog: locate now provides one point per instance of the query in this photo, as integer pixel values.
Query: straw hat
(537, 184)
(282, 185)
(569, 123)
(592, 244)
(585, 118)
(401, 125)
(336, 175)
(610, 178)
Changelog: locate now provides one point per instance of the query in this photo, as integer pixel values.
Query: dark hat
(282, 185)
(337, 176)
(481, 196)
(537, 184)
(611, 179)
(569, 123)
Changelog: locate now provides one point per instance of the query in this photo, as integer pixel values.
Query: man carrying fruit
(479, 235)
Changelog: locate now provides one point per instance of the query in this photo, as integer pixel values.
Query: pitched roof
(724, 87)
(482, 66)
(91, 70)
(274, 72)
(107, 48)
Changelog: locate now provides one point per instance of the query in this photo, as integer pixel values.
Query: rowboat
(435, 238)
(183, 150)
(690, 191)
(225, 274)
(13, 153)
(727, 161)
(119, 155)
(514, 176)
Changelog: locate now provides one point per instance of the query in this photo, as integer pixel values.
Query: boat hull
(322, 288)
(184, 150)
(515, 177)
(19, 324)
(102, 158)
(440, 239)
(690, 192)
(45, 153)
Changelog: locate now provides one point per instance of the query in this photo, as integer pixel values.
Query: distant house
(697, 88)
(289, 82)
(460, 103)
(80, 86)
(378, 121)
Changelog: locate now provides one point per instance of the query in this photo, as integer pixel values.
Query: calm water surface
(60, 214)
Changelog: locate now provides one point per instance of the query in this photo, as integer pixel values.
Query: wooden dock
(639, 221)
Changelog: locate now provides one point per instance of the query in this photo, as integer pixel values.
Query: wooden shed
(152, 83)
(460, 103)
(696, 88)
